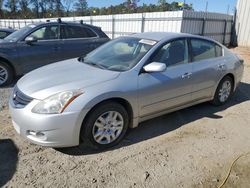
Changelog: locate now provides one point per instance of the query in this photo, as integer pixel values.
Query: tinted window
(3, 34)
(202, 49)
(15, 36)
(173, 53)
(46, 33)
(218, 51)
(78, 32)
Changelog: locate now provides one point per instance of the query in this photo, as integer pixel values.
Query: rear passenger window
(202, 50)
(78, 32)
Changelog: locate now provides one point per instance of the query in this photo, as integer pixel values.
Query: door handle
(186, 75)
(56, 48)
(93, 46)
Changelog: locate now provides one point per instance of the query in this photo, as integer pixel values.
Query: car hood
(62, 76)
(6, 45)
(2, 42)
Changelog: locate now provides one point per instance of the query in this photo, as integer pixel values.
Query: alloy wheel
(225, 91)
(108, 127)
(3, 75)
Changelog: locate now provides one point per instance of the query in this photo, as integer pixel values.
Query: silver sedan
(96, 98)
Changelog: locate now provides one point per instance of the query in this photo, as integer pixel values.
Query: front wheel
(6, 74)
(224, 91)
(105, 126)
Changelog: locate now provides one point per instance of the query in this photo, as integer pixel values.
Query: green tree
(25, 11)
(35, 5)
(12, 5)
(163, 5)
(1, 9)
(81, 7)
(132, 4)
(59, 8)
(54, 8)
(44, 6)
(162, 2)
(68, 5)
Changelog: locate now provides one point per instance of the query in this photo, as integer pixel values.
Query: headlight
(57, 103)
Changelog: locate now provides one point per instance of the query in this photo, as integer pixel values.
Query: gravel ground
(193, 147)
(4, 94)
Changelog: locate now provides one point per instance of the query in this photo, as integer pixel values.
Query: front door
(168, 89)
(45, 51)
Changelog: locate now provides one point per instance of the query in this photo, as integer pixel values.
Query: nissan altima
(96, 98)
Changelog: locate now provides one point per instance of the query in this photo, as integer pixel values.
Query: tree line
(22, 9)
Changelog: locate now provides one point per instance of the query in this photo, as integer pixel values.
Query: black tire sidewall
(10, 74)
(216, 101)
(87, 127)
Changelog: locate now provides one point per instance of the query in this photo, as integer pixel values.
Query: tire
(218, 98)
(6, 74)
(98, 121)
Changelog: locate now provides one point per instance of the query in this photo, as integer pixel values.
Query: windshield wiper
(95, 64)
(83, 60)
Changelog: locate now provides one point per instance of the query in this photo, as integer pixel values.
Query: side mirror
(30, 40)
(155, 67)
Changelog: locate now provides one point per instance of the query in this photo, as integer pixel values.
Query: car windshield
(119, 55)
(18, 34)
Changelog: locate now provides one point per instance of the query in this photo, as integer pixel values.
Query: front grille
(20, 99)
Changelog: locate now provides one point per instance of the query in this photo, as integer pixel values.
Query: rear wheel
(224, 91)
(105, 126)
(6, 74)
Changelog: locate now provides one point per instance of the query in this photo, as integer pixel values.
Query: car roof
(56, 22)
(7, 30)
(158, 36)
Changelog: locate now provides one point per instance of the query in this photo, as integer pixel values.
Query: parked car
(40, 44)
(5, 32)
(94, 99)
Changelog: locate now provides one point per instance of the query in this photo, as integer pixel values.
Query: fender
(113, 95)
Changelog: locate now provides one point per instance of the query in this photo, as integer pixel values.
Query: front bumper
(52, 130)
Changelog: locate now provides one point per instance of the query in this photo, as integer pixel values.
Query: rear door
(46, 50)
(78, 40)
(208, 66)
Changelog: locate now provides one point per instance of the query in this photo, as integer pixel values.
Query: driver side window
(46, 33)
(173, 53)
